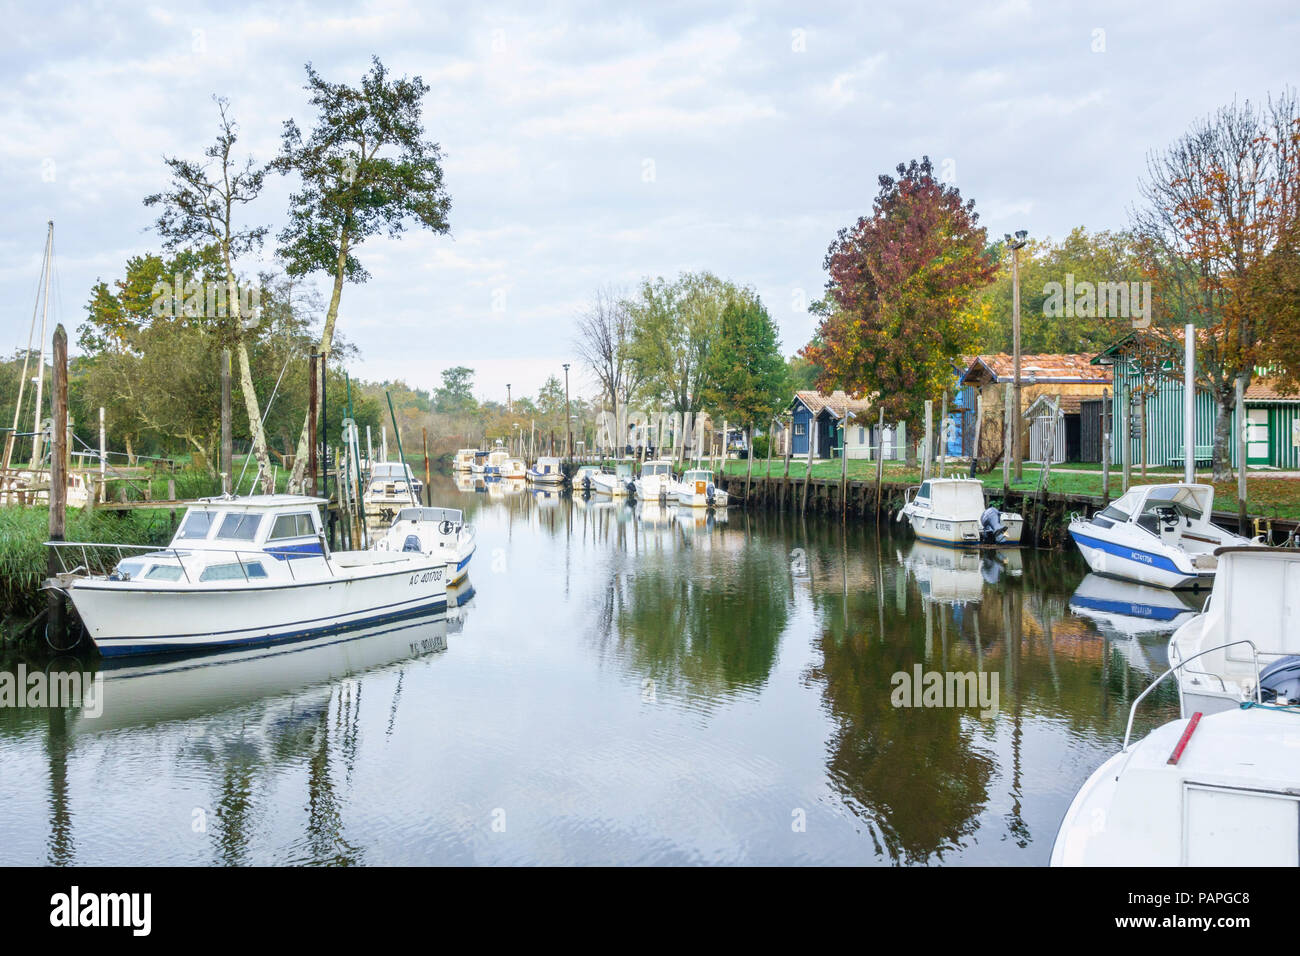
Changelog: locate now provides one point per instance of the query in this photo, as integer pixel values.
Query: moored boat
(696, 489)
(546, 471)
(951, 511)
(656, 476)
(434, 531)
(514, 469)
(464, 460)
(241, 572)
(1156, 534)
(616, 484)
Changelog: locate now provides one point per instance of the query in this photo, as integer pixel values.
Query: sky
(591, 145)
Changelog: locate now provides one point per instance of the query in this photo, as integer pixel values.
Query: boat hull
(129, 619)
(1155, 564)
(940, 529)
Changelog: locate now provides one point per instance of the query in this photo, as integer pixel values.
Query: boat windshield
(197, 524)
(655, 468)
(239, 526)
(1122, 508)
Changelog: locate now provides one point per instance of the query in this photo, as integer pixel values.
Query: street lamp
(509, 405)
(1016, 245)
(568, 425)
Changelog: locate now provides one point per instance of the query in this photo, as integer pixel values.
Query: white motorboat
(496, 461)
(478, 466)
(464, 460)
(1246, 645)
(241, 572)
(697, 490)
(949, 511)
(391, 486)
(583, 477)
(1156, 534)
(1219, 790)
(514, 469)
(656, 476)
(547, 471)
(616, 484)
(441, 532)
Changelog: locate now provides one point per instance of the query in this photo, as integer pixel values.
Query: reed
(23, 556)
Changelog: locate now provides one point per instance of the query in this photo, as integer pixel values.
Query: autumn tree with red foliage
(900, 307)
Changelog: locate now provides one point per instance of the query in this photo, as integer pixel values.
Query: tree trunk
(254, 420)
(326, 339)
(1222, 436)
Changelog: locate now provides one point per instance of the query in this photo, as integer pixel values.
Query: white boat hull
(126, 618)
(1148, 563)
(945, 529)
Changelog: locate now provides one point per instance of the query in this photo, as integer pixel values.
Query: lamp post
(509, 405)
(568, 424)
(1016, 245)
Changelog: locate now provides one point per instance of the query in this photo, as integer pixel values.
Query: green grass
(24, 557)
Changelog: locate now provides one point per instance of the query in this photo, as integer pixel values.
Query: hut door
(1257, 444)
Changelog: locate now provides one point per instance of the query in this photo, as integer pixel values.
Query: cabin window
(197, 525)
(924, 491)
(164, 572)
(292, 526)
(233, 572)
(239, 526)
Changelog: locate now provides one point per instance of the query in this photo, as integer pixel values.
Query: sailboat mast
(40, 369)
(22, 381)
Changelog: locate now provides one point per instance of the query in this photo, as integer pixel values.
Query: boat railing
(1254, 651)
(120, 551)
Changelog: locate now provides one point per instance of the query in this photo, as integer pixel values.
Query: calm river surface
(623, 685)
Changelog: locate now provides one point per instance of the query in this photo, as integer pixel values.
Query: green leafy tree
(456, 396)
(747, 380)
(365, 168)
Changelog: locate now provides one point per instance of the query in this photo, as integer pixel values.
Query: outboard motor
(1280, 679)
(992, 530)
(710, 492)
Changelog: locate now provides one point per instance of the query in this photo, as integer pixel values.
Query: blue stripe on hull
(265, 640)
(1136, 555)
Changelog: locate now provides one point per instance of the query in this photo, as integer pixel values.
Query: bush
(761, 443)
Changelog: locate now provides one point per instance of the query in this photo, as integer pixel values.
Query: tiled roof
(1069, 404)
(838, 402)
(1265, 390)
(1053, 367)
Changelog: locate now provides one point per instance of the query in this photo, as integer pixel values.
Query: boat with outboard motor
(240, 572)
(616, 484)
(656, 476)
(433, 531)
(1156, 534)
(951, 511)
(696, 489)
(1246, 644)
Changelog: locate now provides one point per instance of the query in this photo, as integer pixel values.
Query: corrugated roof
(1040, 368)
(837, 401)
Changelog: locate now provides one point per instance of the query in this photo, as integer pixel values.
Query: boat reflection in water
(177, 688)
(953, 575)
(1138, 618)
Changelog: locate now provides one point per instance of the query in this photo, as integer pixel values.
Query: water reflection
(636, 682)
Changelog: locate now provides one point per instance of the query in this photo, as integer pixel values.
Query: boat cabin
(659, 466)
(959, 498)
(1173, 513)
(547, 466)
(700, 477)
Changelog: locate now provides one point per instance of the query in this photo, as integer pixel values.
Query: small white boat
(514, 469)
(583, 478)
(391, 486)
(1246, 645)
(546, 471)
(1156, 534)
(1219, 790)
(464, 460)
(478, 466)
(496, 460)
(656, 476)
(697, 490)
(440, 532)
(241, 572)
(616, 484)
(949, 511)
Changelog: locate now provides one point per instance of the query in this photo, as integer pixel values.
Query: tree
(365, 168)
(900, 307)
(456, 396)
(1217, 204)
(747, 380)
(603, 343)
(674, 326)
(199, 209)
(550, 403)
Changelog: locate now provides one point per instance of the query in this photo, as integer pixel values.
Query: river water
(620, 684)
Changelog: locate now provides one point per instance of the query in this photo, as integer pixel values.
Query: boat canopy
(660, 466)
(1257, 598)
(953, 496)
(390, 469)
(1194, 501)
(454, 515)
